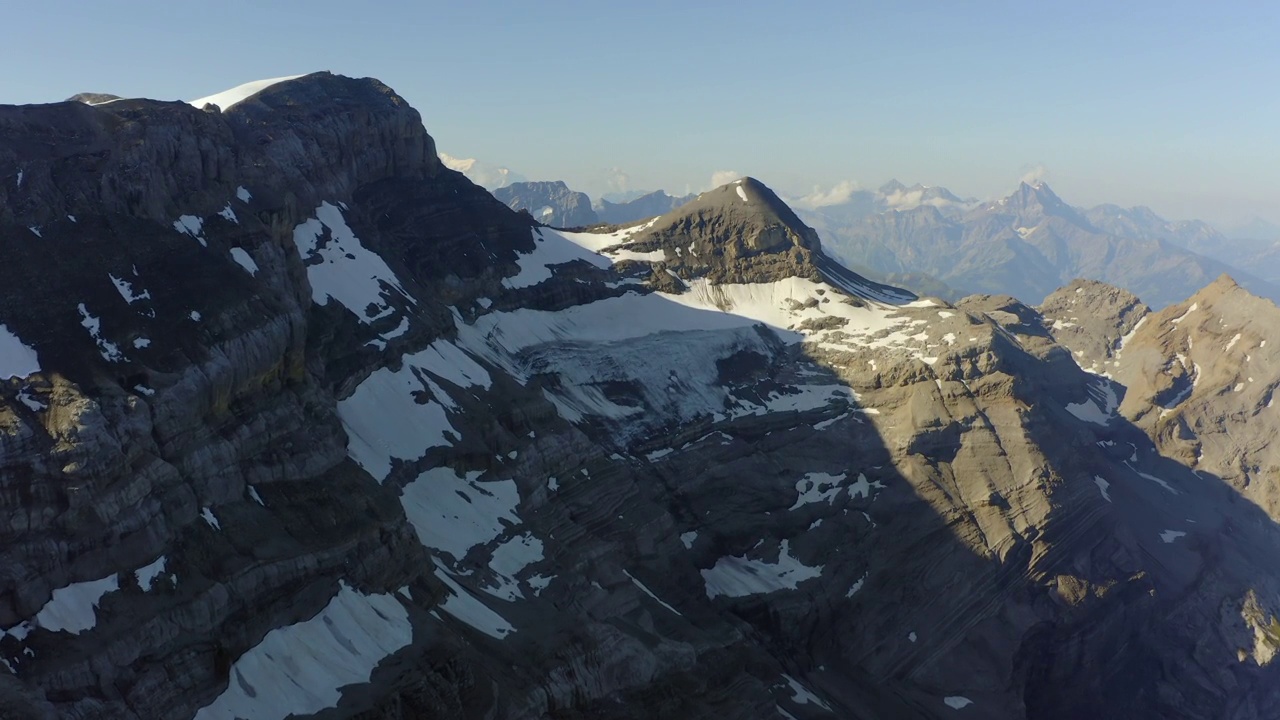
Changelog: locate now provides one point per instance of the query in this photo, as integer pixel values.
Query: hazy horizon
(1141, 104)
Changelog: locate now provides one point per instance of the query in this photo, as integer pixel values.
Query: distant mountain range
(554, 203)
(1032, 242)
(937, 243)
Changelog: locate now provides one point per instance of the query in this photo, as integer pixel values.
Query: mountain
(1255, 229)
(1199, 375)
(550, 203)
(1143, 223)
(639, 208)
(836, 208)
(554, 203)
(1031, 242)
(297, 421)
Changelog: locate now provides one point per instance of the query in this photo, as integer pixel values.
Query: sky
(1167, 104)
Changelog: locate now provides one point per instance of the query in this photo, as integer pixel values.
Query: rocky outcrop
(1093, 320)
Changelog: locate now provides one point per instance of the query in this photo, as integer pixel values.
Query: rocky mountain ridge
(928, 239)
(319, 428)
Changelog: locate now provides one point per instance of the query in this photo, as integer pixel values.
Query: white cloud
(485, 175)
(1032, 174)
(839, 193)
(617, 180)
(723, 177)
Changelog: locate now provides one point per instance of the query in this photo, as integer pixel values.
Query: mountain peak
(1036, 199)
(1222, 285)
(742, 232)
(1038, 189)
(891, 187)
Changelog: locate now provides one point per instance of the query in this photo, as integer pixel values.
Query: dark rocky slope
(313, 411)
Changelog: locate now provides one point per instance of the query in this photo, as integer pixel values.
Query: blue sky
(1170, 104)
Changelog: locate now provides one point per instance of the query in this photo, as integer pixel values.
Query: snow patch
(385, 421)
(125, 288)
(741, 193)
(688, 539)
(243, 259)
(244, 195)
(1103, 486)
(818, 487)
(300, 669)
(1152, 478)
(17, 359)
(550, 249)
(227, 98)
(147, 574)
(228, 214)
(1168, 536)
(109, 350)
(191, 225)
(853, 590)
(1100, 409)
(209, 517)
(508, 559)
(1194, 306)
(649, 592)
(957, 702)
(741, 576)
(454, 514)
(803, 696)
(72, 608)
(466, 608)
(340, 268)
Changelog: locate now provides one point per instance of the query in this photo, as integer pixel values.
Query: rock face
(1093, 320)
(301, 422)
(550, 203)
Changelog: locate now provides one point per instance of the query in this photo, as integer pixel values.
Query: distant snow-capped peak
(490, 177)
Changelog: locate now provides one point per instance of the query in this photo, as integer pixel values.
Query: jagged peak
(1224, 284)
(1039, 191)
(891, 187)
